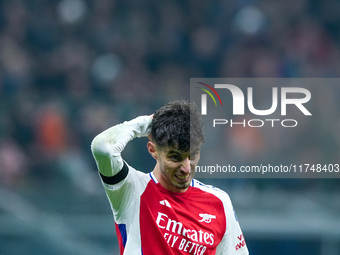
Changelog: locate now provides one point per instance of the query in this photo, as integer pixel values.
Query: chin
(182, 186)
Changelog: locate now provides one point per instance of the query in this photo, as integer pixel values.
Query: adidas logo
(165, 202)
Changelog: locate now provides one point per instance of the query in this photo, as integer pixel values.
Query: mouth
(182, 178)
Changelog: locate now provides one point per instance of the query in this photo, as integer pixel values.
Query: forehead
(171, 150)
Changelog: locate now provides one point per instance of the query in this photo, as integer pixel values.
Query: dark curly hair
(178, 124)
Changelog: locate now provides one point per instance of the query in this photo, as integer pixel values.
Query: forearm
(108, 145)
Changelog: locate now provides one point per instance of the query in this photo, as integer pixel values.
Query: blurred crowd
(71, 68)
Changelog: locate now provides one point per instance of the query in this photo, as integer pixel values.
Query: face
(175, 168)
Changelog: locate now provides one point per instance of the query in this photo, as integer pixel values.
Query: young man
(165, 211)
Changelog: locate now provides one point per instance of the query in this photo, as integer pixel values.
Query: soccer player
(165, 211)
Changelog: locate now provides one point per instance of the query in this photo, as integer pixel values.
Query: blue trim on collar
(153, 178)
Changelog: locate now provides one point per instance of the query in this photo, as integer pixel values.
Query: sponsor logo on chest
(189, 240)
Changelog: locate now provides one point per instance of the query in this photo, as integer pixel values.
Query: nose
(185, 167)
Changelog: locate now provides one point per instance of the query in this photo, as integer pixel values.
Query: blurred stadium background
(71, 68)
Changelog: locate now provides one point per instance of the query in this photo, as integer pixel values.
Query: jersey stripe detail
(121, 236)
(153, 177)
(121, 175)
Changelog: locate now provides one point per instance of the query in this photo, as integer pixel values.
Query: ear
(152, 149)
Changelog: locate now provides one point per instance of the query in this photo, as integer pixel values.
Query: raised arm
(108, 145)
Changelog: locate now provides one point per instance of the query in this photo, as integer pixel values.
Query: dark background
(70, 69)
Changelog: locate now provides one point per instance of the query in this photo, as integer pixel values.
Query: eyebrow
(180, 153)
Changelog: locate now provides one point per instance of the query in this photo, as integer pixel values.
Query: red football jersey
(153, 220)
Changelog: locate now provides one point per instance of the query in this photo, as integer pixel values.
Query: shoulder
(137, 176)
(220, 194)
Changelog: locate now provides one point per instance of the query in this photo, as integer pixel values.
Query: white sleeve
(122, 196)
(118, 178)
(233, 242)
